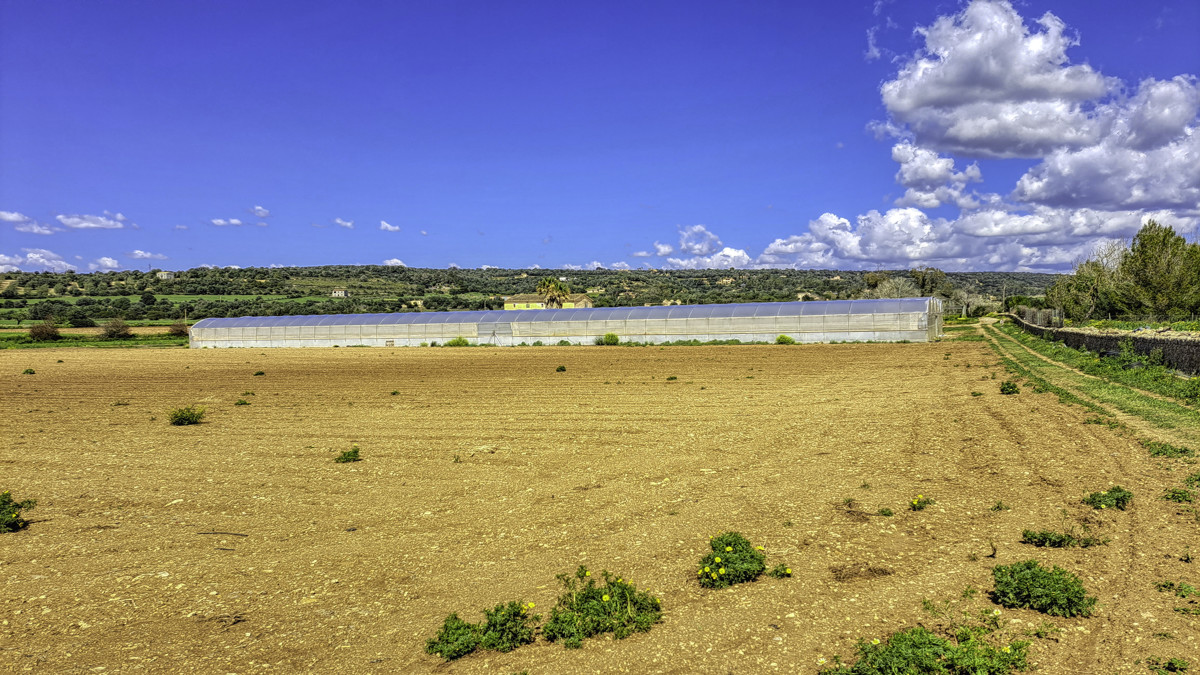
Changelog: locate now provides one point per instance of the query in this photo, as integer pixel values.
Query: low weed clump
(1179, 495)
(780, 571)
(1068, 539)
(1185, 591)
(733, 560)
(259, 373)
(1160, 666)
(1115, 497)
(10, 512)
(1167, 450)
(917, 650)
(29, 371)
(560, 369)
(1001, 506)
(920, 503)
(1028, 585)
(505, 627)
(785, 340)
(886, 512)
(350, 455)
(242, 401)
(585, 609)
(459, 341)
(1009, 387)
(184, 416)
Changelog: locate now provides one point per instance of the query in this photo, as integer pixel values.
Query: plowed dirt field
(238, 545)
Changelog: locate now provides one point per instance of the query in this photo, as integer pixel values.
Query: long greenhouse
(891, 320)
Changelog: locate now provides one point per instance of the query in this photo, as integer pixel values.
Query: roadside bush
(785, 340)
(1028, 585)
(458, 342)
(585, 610)
(44, 331)
(609, 339)
(917, 650)
(733, 560)
(10, 512)
(185, 416)
(81, 321)
(178, 329)
(564, 343)
(116, 329)
(1115, 497)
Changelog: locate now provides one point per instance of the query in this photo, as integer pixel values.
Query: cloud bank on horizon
(986, 88)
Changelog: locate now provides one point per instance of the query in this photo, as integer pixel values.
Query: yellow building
(535, 301)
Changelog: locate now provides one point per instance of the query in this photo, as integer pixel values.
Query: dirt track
(351, 567)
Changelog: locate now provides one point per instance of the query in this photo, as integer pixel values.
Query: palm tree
(553, 290)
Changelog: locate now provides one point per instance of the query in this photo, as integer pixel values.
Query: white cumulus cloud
(348, 224)
(139, 254)
(725, 258)
(695, 240)
(14, 217)
(394, 262)
(260, 212)
(387, 227)
(223, 222)
(86, 222)
(104, 264)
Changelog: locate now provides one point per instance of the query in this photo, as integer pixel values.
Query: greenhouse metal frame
(888, 320)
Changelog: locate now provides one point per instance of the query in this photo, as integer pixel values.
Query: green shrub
(733, 560)
(459, 341)
(1179, 495)
(178, 329)
(560, 369)
(886, 512)
(81, 321)
(1028, 585)
(1001, 506)
(45, 331)
(456, 639)
(242, 401)
(538, 343)
(917, 650)
(259, 373)
(1192, 480)
(507, 627)
(977, 393)
(10, 512)
(185, 416)
(116, 329)
(785, 340)
(671, 378)
(1009, 387)
(564, 343)
(585, 610)
(29, 371)
(920, 503)
(1115, 497)
(609, 339)
(350, 455)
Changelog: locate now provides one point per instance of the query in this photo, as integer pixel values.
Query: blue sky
(968, 136)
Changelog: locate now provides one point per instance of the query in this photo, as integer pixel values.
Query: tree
(44, 331)
(117, 329)
(553, 290)
(929, 280)
(1163, 272)
(895, 287)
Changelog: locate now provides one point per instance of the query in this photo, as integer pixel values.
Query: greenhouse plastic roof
(749, 309)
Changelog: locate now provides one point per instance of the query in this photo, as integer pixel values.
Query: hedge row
(1182, 354)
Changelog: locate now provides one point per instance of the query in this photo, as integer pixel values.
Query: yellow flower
(788, 570)
(706, 569)
(587, 574)
(821, 661)
(920, 496)
(605, 598)
(875, 641)
(728, 548)
(722, 570)
(995, 612)
(717, 559)
(531, 605)
(618, 580)
(714, 575)
(1103, 506)
(759, 548)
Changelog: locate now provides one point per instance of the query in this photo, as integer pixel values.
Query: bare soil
(239, 546)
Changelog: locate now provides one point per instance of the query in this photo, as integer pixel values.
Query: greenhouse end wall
(896, 320)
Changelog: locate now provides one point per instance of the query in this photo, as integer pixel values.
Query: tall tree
(553, 290)
(1162, 271)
